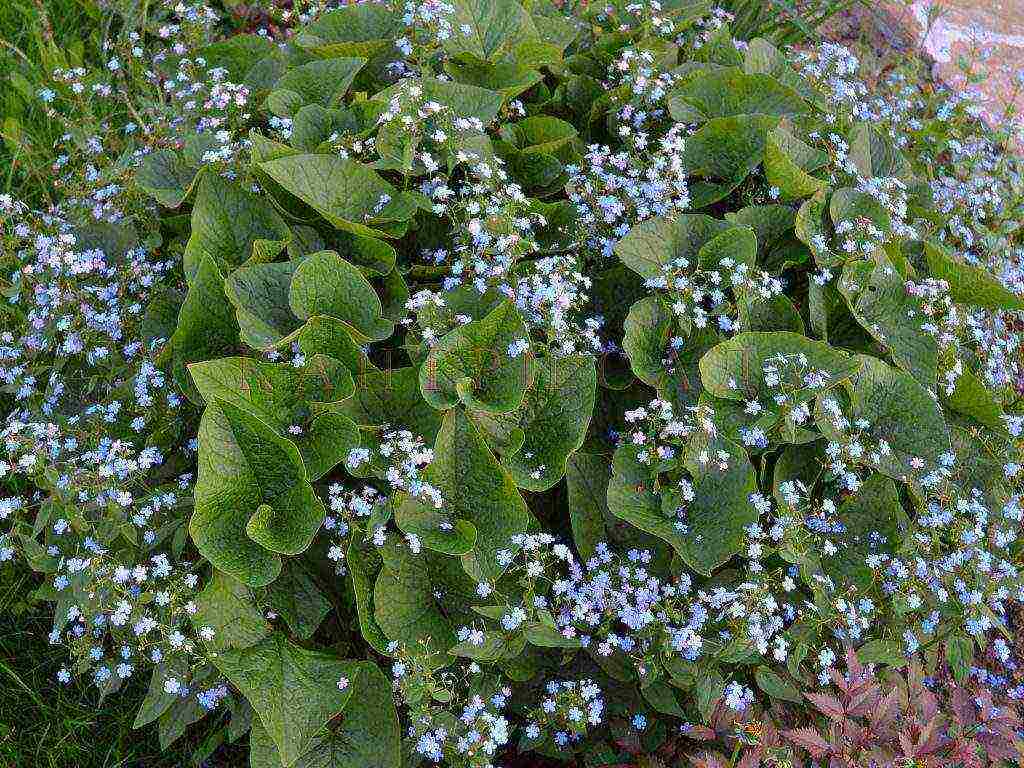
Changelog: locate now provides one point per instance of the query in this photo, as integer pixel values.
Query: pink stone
(986, 36)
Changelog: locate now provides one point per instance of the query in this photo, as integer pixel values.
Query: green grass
(44, 724)
(35, 37)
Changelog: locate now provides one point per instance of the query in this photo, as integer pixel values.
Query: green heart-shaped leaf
(253, 500)
(473, 364)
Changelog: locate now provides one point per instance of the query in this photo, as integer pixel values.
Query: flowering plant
(588, 371)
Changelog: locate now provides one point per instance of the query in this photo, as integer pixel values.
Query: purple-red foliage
(867, 722)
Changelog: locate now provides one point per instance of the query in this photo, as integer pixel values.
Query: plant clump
(457, 383)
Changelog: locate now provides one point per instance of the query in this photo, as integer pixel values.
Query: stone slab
(985, 37)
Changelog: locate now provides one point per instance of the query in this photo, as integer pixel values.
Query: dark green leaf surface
(368, 735)
(472, 364)
(879, 300)
(326, 284)
(232, 225)
(293, 690)
(253, 499)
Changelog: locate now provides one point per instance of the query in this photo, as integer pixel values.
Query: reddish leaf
(962, 705)
(998, 746)
(928, 705)
(808, 739)
(885, 711)
(906, 743)
(829, 706)
(708, 760)
(853, 665)
(931, 738)
(700, 733)
(863, 703)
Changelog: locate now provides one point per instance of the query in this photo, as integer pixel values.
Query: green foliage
(322, 260)
(428, 330)
(286, 686)
(253, 499)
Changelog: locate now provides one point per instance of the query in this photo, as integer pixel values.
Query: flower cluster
(698, 295)
(399, 460)
(615, 191)
(456, 717)
(569, 709)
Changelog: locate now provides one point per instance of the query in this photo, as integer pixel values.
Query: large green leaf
(226, 605)
(788, 164)
(554, 418)
(540, 134)
(803, 463)
(472, 364)
(253, 500)
(736, 245)
(775, 314)
(350, 195)
(773, 227)
(879, 299)
(476, 489)
(586, 477)
(326, 284)
(972, 398)
(809, 227)
(713, 528)
(875, 155)
(238, 55)
(648, 329)
(980, 467)
(259, 294)
(487, 28)
(672, 370)
(719, 47)
(734, 370)
(722, 153)
(321, 82)
(298, 403)
(165, 177)
(898, 410)
(857, 206)
(329, 336)
(207, 327)
(762, 57)
(363, 564)
(353, 30)
(404, 605)
(367, 735)
(507, 78)
(297, 598)
(232, 225)
(969, 284)
(294, 691)
(871, 519)
(652, 244)
(729, 92)
(312, 125)
(392, 397)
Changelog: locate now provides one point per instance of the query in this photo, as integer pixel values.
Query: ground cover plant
(481, 383)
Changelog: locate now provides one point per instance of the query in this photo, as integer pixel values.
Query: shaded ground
(47, 725)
